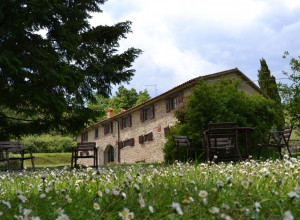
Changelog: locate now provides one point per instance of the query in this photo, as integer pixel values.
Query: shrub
(223, 101)
(48, 143)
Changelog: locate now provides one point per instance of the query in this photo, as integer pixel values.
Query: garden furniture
(220, 140)
(277, 140)
(183, 145)
(8, 152)
(85, 150)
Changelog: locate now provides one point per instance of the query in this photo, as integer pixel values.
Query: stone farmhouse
(138, 134)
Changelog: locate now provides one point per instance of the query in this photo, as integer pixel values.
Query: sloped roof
(179, 87)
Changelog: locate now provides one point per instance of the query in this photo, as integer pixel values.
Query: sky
(182, 40)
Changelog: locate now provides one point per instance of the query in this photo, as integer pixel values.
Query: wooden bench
(6, 150)
(183, 145)
(83, 151)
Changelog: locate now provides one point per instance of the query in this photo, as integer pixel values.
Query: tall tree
(267, 82)
(291, 91)
(124, 99)
(51, 62)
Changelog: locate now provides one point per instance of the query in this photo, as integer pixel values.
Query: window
(146, 138)
(173, 102)
(96, 133)
(108, 128)
(84, 137)
(147, 113)
(125, 122)
(110, 154)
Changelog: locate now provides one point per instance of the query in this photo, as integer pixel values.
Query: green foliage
(52, 61)
(291, 92)
(170, 154)
(48, 143)
(223, 101)
(267, 82)
(124, 99)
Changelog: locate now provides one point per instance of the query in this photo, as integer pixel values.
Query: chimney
(123, 110)
(110, 113)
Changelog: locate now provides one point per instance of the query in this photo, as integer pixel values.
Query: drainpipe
(118, 140)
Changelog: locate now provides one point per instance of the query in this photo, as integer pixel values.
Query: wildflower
(69, 200)
(60, 211)
(288, 215)
(176, 206)
(63, 217)
(96, 206)
(186, 201)
(116, 190)
(124, 195)
(225, 206)
(48, 189)
(228, 180)
(151, 209)
(293, 194)
(43, 176)
(226, 217)
(130, 215)
(6, 203)
(214, 210)
(27, 212)
(203, 194)
(257, 206)
(99, 193)
(42, 196)
(142, 202)
(19, 217)
(1, 213)
(124, 214)
(107, 191)
(219, 183)
(23, 198)
(136, 186)
(191, 199)
(245, 184)
(255, 173)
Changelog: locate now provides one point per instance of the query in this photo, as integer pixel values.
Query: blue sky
(182, 40)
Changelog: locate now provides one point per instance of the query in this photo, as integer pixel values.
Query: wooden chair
(220, 140)
(6, 150)
(277, 140)
(183, 145)
(85, 150)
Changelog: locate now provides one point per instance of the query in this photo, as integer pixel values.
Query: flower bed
(247, 190)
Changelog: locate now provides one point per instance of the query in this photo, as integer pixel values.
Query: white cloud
(185, 39)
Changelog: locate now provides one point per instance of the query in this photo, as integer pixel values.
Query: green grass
(47, 160)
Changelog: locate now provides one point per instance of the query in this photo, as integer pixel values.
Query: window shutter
(112, 127)
(167, 130)
(121, 144)
(150, 136)
(152, 111)
(168, 109)
(141, 115)
(132, 142)
(141, 139)
(130, 121)
(121, 123)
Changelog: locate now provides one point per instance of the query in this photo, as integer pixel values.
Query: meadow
(245, 190)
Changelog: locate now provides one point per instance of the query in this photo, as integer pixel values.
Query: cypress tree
(267, 82)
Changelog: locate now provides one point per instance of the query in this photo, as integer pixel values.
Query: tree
(142, 97)
(52, 61)
(291, 92)
(124, 99)
(218, 102)
(267, 82)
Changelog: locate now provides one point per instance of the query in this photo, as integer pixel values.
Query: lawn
(46, 160)
(246, 190)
